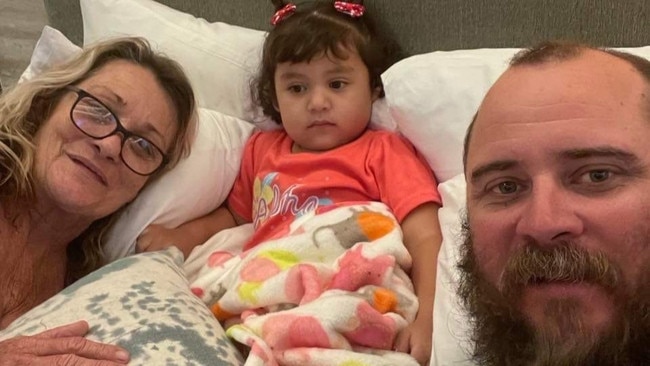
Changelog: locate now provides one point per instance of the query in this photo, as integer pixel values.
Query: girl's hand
(416, 339)
(157, 237)
(64, 345)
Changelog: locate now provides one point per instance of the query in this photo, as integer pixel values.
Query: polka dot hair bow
(282, 13)
(351, 9)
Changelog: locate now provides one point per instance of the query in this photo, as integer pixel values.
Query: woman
(76, 144)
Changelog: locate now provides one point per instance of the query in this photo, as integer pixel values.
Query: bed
(456, 49)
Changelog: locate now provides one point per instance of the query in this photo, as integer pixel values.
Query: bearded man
(555, 265)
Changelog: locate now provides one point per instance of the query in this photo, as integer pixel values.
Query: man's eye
(597, 176)
(508, 187)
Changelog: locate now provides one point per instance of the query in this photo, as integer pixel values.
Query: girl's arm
(423, 238)
(188, 235)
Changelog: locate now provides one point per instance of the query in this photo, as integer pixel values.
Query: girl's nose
(319, 100)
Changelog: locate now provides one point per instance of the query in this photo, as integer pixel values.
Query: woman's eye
(94, 112)
(142, 147)
(337, 84)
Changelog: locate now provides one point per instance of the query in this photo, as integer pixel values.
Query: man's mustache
(561, 263)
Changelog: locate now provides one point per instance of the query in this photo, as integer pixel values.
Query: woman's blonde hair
(24, 108)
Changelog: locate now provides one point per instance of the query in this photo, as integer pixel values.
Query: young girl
(320, 74)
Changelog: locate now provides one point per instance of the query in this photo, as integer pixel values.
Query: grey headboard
(428, 25)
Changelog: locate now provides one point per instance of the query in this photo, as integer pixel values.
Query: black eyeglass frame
(81, 94)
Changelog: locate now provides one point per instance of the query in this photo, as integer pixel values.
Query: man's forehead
(592, 80)
(533, 108)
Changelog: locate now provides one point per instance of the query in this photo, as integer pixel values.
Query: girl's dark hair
(315, 28)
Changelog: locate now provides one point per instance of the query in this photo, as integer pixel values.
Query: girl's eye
(337, 84)
(296, 88)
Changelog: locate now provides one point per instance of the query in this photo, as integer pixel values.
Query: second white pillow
(219, 59)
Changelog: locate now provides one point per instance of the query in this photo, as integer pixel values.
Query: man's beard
(503, 335)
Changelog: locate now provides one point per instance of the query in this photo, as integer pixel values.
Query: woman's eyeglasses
(96, 120)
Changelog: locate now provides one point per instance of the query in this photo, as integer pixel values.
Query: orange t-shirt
(275, 185)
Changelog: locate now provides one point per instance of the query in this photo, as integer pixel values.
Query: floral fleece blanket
(333, 291)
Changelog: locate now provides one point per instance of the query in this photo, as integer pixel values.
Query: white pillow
(51, 48)
(432, 97)
(450, 320)
(220, 59)
(193, 188)
(196, 186)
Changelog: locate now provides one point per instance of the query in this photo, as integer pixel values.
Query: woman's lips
(87, 164)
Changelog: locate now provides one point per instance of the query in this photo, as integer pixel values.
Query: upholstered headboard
(428, 25)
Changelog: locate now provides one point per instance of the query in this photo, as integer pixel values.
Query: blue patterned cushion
(142, 303)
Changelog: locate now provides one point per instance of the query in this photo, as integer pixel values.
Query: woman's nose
(110, 146)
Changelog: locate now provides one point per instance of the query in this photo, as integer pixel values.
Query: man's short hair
(557, 51)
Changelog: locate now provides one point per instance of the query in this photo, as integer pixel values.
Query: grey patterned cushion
(142, 303)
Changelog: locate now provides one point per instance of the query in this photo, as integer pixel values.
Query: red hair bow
(351, 9)
(282, 13)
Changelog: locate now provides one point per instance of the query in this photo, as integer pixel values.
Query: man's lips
(559, 289)
(87, 164)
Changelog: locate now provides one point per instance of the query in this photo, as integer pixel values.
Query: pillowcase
(431, 98)
(52, 48)
(451, 341)
(219, 59)
(196, 186)
(142, 303)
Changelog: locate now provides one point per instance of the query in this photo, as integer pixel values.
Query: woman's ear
(275, 105)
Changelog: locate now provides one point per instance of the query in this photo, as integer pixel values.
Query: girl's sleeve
(240, 199)
(405, 180)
